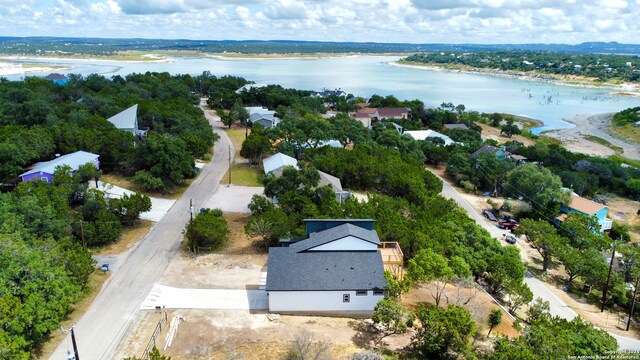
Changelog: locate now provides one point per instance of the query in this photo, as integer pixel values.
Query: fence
(156, 332)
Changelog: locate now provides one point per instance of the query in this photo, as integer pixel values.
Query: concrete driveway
(159, 207)
(216, 299)
(233, 198)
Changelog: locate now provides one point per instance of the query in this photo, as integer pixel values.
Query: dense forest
(95, 46)
(600, 66)
(47, 228)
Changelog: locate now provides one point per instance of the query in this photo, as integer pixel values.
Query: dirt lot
(489, 132)
(625, 211)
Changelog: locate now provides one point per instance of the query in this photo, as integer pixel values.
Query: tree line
(603, 67)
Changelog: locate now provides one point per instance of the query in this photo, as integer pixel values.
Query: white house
(337, 270)
(127, 120)
(276, 163)
(425, 134)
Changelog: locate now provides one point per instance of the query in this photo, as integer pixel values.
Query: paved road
(557, 307)
(103, 325)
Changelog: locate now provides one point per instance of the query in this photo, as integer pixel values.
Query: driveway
(159, 207)
(232, 198)
(216, 299)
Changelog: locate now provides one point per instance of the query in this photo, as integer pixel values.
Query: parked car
(511, 239)
(489, 215)
(508, 224)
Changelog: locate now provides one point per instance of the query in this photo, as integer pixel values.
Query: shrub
(145, 180)
(467, 185)
(507, 205)
(208, 229)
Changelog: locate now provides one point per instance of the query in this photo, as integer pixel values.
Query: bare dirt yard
(489, 132)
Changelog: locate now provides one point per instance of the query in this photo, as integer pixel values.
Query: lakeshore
(624, 89)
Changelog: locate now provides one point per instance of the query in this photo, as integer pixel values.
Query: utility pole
(82, 233)
(191, 209)
(75, 346)
(229, 164)
(633, 302)
(606, 286)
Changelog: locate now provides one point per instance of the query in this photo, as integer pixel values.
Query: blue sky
(417, 21)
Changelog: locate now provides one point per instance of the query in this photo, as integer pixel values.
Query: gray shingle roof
(326, 179)
(335, 233)
(324, 271)
(486, 149)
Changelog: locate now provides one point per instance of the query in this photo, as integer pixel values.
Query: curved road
(557, 307)
(101, 328)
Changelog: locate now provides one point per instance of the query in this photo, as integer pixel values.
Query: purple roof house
(44, 170)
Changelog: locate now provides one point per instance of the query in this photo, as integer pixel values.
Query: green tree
(254, 147)
(428, 266)
(154, 354)
(536, 185)
(128, 207)
(442, 330)
(505, 268)
(510, 129)
(518, 294)
(208, 229)
(545, 238)
(495, 319)
(391, 318)
(147, 181)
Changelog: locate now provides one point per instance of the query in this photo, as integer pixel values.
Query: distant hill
(97, 46)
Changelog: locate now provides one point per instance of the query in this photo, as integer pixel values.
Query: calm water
(368, 75)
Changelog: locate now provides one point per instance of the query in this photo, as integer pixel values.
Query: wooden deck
(392, 258)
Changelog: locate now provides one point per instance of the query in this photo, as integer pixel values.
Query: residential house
(393, 113)
(337, 270)
(127, 120)
(367, 115)
(57, 79)
(44, 170)
(263, 116)
(325, 93)
(455, 126)
(276, 163)
(589, 208)
(248, 87)
(501, 153)
(426, 134)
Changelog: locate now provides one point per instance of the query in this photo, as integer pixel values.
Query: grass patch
(96, 280)
(628, 132)
(243, 175)
(527, 123)
(237, 136)
(239, 242)
(126, 183)
(604, 142)
(129, 237)
(624, 160)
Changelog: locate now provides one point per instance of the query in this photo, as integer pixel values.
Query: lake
(368, 75)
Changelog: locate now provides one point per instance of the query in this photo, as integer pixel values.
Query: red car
(508, 224)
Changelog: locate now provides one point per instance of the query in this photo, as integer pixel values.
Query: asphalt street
(100, 330)
(540, 289)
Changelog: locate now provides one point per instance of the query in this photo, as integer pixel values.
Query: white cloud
(476, 21)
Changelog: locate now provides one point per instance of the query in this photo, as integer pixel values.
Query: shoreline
(296, 56)
(590, 135)
(157, 59)
(629, 89)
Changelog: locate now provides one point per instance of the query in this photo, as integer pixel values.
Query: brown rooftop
(584, 205)
(392, 112)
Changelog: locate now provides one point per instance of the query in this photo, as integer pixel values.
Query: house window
(361, 292)
(346, 298)
(378, 292)
(45, 178)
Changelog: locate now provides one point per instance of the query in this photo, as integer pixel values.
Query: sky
(395, 21)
